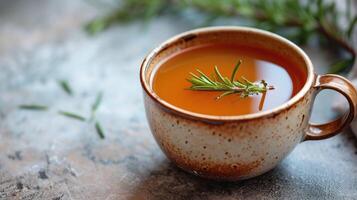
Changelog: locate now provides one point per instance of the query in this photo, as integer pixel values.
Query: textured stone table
(46, 156)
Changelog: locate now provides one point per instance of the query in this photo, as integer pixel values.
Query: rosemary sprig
(72, 115)
(33, 107)
(99, 130)
(245, 88)
(97, 101)
(95, 105)
(296, 19)
(65, 86)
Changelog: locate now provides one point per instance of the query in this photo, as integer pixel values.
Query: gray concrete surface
(47, 156)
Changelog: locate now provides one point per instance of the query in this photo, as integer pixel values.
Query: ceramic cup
(239, 147)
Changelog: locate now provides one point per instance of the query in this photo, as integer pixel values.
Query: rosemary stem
(202, 82)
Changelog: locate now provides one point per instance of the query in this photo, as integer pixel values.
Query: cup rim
(204, 117)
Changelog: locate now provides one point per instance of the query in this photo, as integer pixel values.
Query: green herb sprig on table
(228, 86)
(66, 88)
(34, 107)
(295, 19)
(72, 115)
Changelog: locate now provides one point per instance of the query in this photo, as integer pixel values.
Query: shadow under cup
(244, 146)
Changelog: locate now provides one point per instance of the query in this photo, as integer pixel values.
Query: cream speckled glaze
(244, 146)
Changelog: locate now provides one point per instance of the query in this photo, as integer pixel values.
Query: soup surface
(170, 84)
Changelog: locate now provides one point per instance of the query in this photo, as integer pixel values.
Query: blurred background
(63, 61)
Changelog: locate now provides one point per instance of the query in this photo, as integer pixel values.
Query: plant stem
(72, 115)
(99, 130)
(65, 86)
(33, 107)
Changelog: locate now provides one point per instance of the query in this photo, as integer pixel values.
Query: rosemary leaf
(97, 25)
(204, 77)
(249, 83)
(99, 130)
(235, 70)
(152, 9)
(72, 115)
(220, 77)
(224, 94)
(65, 86)
(96, 105)
(97, 102)
(33, 107)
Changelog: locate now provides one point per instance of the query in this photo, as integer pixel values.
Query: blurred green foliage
(296, 19)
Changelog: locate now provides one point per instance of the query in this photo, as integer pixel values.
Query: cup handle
(344, 87)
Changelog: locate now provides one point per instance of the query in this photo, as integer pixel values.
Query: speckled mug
(239, 147)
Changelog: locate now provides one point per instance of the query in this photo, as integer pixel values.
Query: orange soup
(170, 84)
